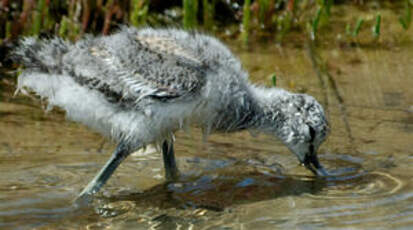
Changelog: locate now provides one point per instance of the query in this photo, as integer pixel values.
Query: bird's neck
(257, 110)
(270, 105)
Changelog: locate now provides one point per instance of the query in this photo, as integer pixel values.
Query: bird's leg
(171, 170)
(121, 152)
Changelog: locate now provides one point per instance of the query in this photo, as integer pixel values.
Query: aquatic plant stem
(108, 15)
(406, 19)
(86, 14)
(359, 23)
(18, 26)
(139, 12)
(376, 27)
(190, 13)
(246, 22)
(208, 13)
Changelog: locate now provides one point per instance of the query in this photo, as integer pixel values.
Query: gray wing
(127, 67)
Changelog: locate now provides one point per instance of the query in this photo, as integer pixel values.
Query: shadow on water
(211, 192)
(217, 192)
(221, 194)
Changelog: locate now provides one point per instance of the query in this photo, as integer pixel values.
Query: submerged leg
(121, 152)
(171, 171)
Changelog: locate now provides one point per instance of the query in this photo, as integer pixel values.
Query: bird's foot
(172, 176)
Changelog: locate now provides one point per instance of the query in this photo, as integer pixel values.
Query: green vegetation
(274, 79)
(315, 23)
(264, 6)
(321, 18)
(190, 8)
(355, 32)
(376, 27)
(253, 19)
(246, 22)
(406, 19)
(284, 25)
(139, 12)
(208, 13)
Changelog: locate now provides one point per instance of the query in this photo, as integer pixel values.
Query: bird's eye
(312, 133)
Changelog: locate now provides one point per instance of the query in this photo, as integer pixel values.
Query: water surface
(233, 181)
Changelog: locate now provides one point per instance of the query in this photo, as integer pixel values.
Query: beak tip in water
(314, 166)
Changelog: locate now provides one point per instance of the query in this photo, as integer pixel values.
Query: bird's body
(141, 86)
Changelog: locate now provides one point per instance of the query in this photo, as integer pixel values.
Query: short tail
(40, 55)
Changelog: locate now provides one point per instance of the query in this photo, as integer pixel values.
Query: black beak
(311, 162)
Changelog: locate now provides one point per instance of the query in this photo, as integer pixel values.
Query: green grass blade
(274, 79)
(406, 19)
(246, 22)
(190, 13)
(315, 23)
(356, 30)
(376, 27)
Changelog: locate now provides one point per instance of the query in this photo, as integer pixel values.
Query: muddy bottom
(233, 181)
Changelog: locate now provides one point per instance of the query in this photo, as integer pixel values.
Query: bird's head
(299, 121)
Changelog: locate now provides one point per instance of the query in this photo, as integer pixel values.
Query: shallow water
(233, 181)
